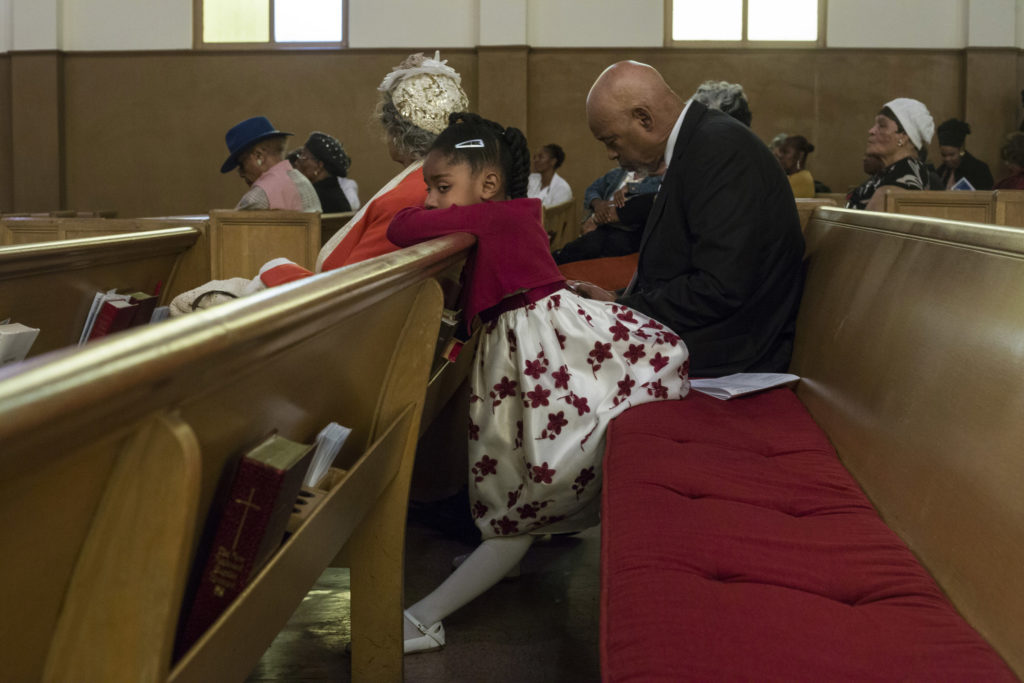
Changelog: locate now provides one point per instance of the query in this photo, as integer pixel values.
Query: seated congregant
(957, 162)
(1012, 154)
(323, 160)
(901, 129)
(545, 184)
(256, 149)
(727, 97)
(792, 155)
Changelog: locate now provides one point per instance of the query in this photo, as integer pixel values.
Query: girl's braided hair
(502, 148)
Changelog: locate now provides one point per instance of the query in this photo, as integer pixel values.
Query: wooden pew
(1009, 208)
(27, 229)
(50, 285)
(806, 207)
(113, 456)
(970, 206)
(838, 197)
(331, 223)
(560, 223)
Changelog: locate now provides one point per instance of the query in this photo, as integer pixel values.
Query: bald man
(720, 257)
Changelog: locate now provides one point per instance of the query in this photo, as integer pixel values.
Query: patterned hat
(425, 91)
(329, 152)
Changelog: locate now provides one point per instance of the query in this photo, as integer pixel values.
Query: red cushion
(735, 546)
(609, 272)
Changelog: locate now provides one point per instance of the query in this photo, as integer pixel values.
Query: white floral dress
(546, 380)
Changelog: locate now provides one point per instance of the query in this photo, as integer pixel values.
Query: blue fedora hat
(244, 134)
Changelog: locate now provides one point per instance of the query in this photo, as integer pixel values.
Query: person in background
(1012, 155)
(901, 129)
(957, 162)
(323, 160)
(256, 149)
(545, 184)
(727, 97)
(792, 156)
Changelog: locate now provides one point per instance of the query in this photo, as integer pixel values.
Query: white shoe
(431, 640)
(513, 573)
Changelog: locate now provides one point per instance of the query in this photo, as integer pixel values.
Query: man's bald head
(631, 109)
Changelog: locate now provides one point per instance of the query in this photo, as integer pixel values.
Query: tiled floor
(540, 627)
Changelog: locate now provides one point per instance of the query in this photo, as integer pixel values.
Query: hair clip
(475, 142)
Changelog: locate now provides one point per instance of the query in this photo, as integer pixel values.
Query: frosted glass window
(703, 20)
(307, 21)
(236, 21)
(782, 19)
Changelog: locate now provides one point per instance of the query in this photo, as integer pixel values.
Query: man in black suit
(720, 257)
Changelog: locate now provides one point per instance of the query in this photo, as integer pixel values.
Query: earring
(899, 143)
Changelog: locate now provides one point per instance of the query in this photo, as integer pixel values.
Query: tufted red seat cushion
(735, 546)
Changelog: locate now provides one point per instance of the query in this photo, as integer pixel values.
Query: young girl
(551, 367)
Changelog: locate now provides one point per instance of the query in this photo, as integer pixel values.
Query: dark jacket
(721, 256)
(975, 170)
(332, 198)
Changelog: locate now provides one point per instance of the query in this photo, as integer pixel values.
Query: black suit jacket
(721, 256)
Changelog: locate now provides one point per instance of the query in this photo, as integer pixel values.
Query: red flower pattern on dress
(577, 402)
(669, 338)
(534, 368)
(513, 496)
(538, 397)
(555, 423)
(542, 473)
(599, 354)
(505, 526)
(474, 431)
(586, 476)
(486, 465)
(635, 353)
(626, 385)
(626, 315)
(659, 362)
(586, 316)
(479, 510)
(684, 369)
(528, 511)
(503, 389)
(656, 389)
(510, 335)
(619, 331)
(561, 377)
(554, 301)
(653, 324)
(561, 339)
(519, 435)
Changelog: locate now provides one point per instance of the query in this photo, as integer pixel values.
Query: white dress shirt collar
(671, 144)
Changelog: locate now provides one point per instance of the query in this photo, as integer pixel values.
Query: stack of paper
(742, 383)
(328, 443)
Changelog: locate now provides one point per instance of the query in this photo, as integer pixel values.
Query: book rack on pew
(114, 455)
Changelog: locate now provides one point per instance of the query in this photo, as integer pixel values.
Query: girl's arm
(413, 225)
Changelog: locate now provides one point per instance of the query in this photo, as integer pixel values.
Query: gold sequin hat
(425, 91)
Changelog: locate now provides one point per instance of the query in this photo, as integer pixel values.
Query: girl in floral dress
(551, 367)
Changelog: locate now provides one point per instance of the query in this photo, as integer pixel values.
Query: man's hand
(589, 225)
(589, 290)
(619, 198)
(604, 212)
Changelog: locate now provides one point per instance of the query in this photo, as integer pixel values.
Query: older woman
(323, 160)
(957, 162)
(902, 128)
(792, 155)
(256, 149)
(1012, 154)
(415, 101)
(727, 97)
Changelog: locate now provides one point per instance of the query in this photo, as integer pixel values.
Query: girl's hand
(589, 290)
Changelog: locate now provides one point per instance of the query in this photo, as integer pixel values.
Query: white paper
(742, 383)
(15, 341)
(328, 443)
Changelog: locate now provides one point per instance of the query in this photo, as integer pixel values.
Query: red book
(114, 316)
(147, 303)
(251, 527)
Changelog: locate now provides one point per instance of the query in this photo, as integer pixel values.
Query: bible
(251, 527)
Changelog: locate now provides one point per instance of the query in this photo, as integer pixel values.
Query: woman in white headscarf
(902, 129)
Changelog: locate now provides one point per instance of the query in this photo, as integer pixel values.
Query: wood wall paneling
(991, 103)
(502, 86)
(36, 91)
(6, 165)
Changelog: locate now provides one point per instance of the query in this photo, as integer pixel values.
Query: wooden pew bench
(1000, 207)
(737, 546)
(560, 223)
(50, 285)
(113, 456)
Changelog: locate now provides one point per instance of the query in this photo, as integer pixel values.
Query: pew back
(976, 206)
(114, 457)
(50, 285)
(806, 207)
(908, 343)
(560, 223)
(28, 229)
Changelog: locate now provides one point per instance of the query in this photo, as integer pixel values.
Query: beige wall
(143, 132)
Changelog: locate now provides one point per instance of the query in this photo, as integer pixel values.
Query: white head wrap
(914, 118)
(426, 93)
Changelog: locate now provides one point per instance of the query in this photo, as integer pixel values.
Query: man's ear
(643, 116)
(490, 185)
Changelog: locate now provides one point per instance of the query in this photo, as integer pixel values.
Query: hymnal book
(15, 341)
(962, 184)
(147, 304)
(97, 304)
(742, 383)
(328, 443)
(251, 527)
(114, 316)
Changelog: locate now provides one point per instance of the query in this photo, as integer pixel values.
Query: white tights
(484, 567)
